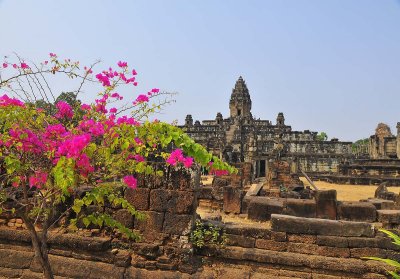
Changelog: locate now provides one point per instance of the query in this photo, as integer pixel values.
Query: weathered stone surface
(183, 202)
(238, 240)
(178, 224)
(160, 200)
(337, 264)
(69, 267)
(300, 225)
(11, 235)
(254, 189)
(205, 192)
(148, 251)
(300, 208)
(271, 245)
(138, 197)
(152, 223)
(74, 241)
(368, 252)
(261, 208)
(232, 200)
(357, 211)
(333, 241)
(389, 216)
(124, 217)
(326, 204)
(249, 230)
(279, 236)
(15, 259)
(335, 252)
(245, 203)
(302, 238)
(10, 272)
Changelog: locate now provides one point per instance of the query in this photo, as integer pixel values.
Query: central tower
(240, 102)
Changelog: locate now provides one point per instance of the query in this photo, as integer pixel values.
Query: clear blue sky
(330, 66)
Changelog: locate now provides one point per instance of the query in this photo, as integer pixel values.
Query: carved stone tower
(240, 102)
(189, 120)
(280, 120)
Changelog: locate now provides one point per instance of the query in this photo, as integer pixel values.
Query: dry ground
(350, 192)
(344, 192)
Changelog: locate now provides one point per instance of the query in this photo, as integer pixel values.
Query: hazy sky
(330, 66)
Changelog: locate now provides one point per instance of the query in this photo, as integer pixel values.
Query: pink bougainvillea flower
(134, 72)
(122, 64)
(155, 90)
(7, 101)
(24, 65)
(138, 158)
(104, 79)
(115, 95)
(15, 66)
(5, 65)
(177, 156)
(142, 99)
(73, 147)
(113, 110)
(64, 110)
(130, 181)
(127, 120)
(52, 54)
(187, 162)
(85, 107)
(138, 141)
(38, 179)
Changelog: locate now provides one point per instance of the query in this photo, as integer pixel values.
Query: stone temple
(242, 138)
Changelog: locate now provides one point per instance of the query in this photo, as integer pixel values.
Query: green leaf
(86, 221)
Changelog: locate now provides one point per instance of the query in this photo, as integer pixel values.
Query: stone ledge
(314, 226)
(290, 259)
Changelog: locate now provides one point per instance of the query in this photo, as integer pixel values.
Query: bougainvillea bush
(51, 146)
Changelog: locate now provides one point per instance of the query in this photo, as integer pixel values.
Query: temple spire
(240, 102)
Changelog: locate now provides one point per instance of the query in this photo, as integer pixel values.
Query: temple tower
(280, 120)
(240, 102)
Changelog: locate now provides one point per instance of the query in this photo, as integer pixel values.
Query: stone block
(368, 252)
(160, 200)
(300, 208)
(302, 238)
(182, 202)
(238, 240)
(386, 216)
(245, 204)
(15, 259)
(73, 268)
(300, 225)
(302, 248)
(138, 197)
(124, 217)
(271, 245)
(326, 204)
(332, 241)
(248, 230)
(381, 203)
(205, 193)
(232, 200)
(357, 211)
(335, 252)
(178, 224)
(260, 208)
(153, 222)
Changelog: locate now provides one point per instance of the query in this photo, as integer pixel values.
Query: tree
(50, 147)
(322, 136)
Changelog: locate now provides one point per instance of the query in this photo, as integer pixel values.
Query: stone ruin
(242, 138)
(284, 237)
